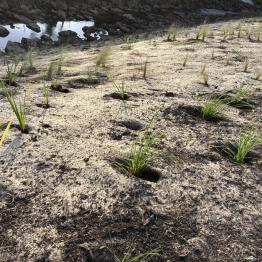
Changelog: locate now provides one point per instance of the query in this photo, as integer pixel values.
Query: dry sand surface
(62, 199)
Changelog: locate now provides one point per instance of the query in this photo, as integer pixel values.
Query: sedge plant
(212, 109)
(18, 109)
(46, 96)
(248, 139)
(103, 57)
(120, 88)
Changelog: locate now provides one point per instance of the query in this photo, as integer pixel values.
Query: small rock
(14, 47)
(34, 27)
(3, 32)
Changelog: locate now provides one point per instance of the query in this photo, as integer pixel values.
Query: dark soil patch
(223, 148)
(97, 236)
(59, 88)
(131, 124)
(83, 82)
(118, 96)
(41, 105)
(188, 114)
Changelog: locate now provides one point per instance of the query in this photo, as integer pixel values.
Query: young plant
(30, 58)
(11, 74)
(172, 34)
(2, 138)
(239, 27)
(248, 140)
(213, 54)
(121, 89)
(246, 64)
(128, 42)
(19, 110)
(145, 68)
(212, 109)
(103, 57)
(46, 95)
(60, 63)
(185, 60)
(51, 71)
(239, 98)
(228, 60)
(140, 154)
(143, 257)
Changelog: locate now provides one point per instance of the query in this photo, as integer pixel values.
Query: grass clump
(121, 89)
(51, 71)
(142, 257)
(141, 154)
(238, 99)
(212, 109)
(103, 56)
(185, 60)
(246, 64)
(46, 96)
(3, 137)
(172, 33)
(202, 32)
(128, 42)
(19, 110)
(11, 74)
(60, 63)
(228, 30)
(145, 69)
(248, 140)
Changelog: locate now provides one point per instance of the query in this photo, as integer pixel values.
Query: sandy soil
(62, 199)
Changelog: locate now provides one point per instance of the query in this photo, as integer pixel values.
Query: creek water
(19, 31)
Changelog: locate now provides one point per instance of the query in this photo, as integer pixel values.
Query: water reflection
(19, 31)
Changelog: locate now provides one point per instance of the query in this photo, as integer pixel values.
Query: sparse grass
(128, 42)
(19, 110)
(3, 137)
(228, 30)
(212, 109)
(140, 154)
(238, 98)
(185, 60)
(239, 27)
(60, 63)
(202, 32)
(103, 57)
(30, 59)
(51, 71)
(172, 33)
(120, 88)
(11, 74)
(248, 140)
(142, 257)
(246, 64)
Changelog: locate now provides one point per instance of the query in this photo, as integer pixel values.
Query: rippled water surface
(19, 31)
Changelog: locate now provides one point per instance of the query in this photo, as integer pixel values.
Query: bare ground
(61, 197)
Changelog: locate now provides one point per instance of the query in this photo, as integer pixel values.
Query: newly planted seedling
(19, 110)
(141, 154)
(212, 109)
(46, 96)
(172, 34)
(246, 64)
(103, 57)
(185, 60)
(121, 89)
(248, 140)
(145, 69)
(60, 63)
(51, 71)
(11, 75)
(128, 42)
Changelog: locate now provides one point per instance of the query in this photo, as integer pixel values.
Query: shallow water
(18, 31)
